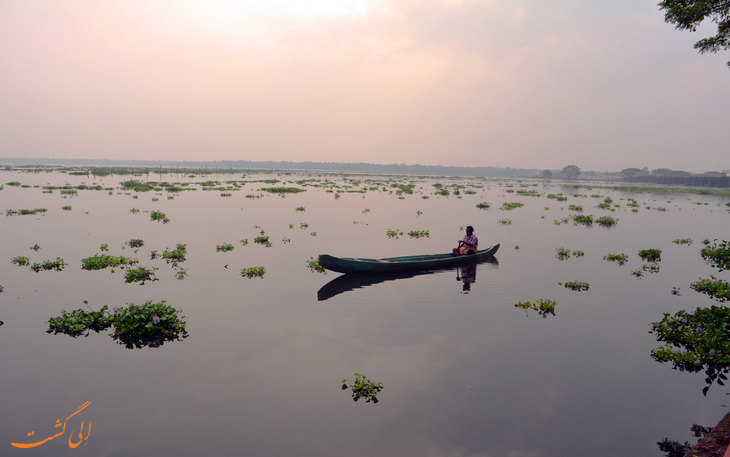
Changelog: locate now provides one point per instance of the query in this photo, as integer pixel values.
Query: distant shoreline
(286, 165)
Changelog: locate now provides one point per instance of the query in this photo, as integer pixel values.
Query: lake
(464, 372)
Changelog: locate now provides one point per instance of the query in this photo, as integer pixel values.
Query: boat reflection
(352, 281)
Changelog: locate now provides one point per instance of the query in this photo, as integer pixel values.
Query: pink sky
(530, 84)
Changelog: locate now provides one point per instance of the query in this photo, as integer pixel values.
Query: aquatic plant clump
(419, 233)
(20, 261)
(562, 253)
(696, 341)
(175, 256)
(541, 306)
(24, 212)
(619, 258)
(283, 190)
(139, 275)
(76, 322)
(253, 272)
(102, 261)
(483, 205)
(575, 285)
(148, 325)
(651, 255)
(715, 288)
(263, 240)
(363, 387)
(224, 247)
(582, 219)
(159, 216)
(314, 266)
(508, 206)
(606, 221)
(135, 243)
(390, 233)
(505, 221)
(59, 264)
(717, 254)
(685, 241)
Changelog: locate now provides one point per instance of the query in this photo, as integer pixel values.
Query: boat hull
(407, 263)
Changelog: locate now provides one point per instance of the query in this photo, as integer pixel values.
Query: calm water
(465, 373)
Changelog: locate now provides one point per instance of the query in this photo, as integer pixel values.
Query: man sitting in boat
(469, 245)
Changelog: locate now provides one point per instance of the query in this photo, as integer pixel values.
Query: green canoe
(413, 262)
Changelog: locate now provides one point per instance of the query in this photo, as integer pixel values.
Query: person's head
(469, 229)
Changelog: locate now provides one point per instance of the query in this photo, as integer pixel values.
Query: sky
(601, 84)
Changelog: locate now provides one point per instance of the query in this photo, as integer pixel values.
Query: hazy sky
(603, 84)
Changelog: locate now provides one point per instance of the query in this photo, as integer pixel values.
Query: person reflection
(468, 275)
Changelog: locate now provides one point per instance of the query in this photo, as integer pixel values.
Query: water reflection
(352, 281)
(468, 275)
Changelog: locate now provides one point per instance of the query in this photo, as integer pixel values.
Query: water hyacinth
(695, 342)
(135, 326)
(715, 288)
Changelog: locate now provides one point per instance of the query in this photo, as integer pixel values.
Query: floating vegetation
(419, 233)
(159, 216)
(675, 290)
(717, 255)
(67, 208)
(36, 247)
(24, 212)
(104, 247)
(508, 206)
(134, 210)
(685, 241)
(283, 190)
(102, 261)
(137, 186)
(181, 273)
(20, 261)
(224, 247)
(262, 239)
(651, 255)
(606, 221)
(651, 267)
(620, 258)
(135, 243)
(562, 253)
(363, 387)
(638, 273)
(575, 285)
(300, 208)
(582, 219)
(244, 242)
(483, 205)
(715, 288)
(253, 272)
(314, 266)
(59, 264)
(576, 208)
(390, 233)
(148, 325)
(140, 275)
(578, 253)
(78, 321)
(695, 342)
(561, 221)
(505, 221)
(175, 256)
(541, 306)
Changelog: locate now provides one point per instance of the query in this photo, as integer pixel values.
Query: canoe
(413, 262)
(353, 281)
